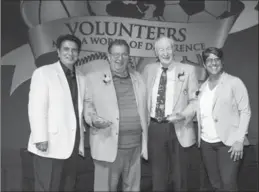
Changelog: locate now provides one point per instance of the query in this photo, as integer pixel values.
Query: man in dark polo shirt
(55, 115)
(115, 107)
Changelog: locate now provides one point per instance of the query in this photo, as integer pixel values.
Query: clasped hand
(100, 123)
(175, 117)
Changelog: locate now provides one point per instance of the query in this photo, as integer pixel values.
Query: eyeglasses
(67, 49)
(118, 55)
(210, 60)
(165, 50)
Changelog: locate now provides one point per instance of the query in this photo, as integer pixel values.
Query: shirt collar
(170, 67)
(66, 70)
(114, 75)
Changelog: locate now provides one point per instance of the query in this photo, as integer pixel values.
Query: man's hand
(42, 146)
(174, 118)
(236, 151)
(100, 123)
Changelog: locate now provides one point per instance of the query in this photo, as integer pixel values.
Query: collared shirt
(120, 77)
(71, 79)
(169, 90)
(208, 131)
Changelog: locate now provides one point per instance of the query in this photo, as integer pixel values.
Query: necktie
(160, 103)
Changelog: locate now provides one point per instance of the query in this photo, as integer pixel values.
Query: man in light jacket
(115, 108)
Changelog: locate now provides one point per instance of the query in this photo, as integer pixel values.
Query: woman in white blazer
(223, 115)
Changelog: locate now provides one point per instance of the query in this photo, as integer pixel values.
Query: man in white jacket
(55, 115)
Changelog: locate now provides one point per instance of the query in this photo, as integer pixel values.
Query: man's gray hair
(163, 38)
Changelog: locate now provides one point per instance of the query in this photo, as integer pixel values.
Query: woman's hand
(236, 151)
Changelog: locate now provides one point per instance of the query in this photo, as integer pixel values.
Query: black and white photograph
(129, 95)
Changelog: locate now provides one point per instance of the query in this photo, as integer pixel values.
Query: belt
(159, 120)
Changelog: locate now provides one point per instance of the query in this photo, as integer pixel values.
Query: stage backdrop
(29, 29)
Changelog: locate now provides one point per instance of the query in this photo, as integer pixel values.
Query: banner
(96, 32)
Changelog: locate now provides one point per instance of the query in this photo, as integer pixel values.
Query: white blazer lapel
(218, 90)
(177, 86)
(112, 92)
(135, 87)
(108, 91)
(79, 88)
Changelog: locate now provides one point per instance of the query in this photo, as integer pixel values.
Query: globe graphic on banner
(170, 11)
(38, 12)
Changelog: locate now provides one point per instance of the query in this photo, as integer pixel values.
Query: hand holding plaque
(100, 123)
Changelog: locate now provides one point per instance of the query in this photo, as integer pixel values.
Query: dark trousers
(56, 174)
(169, 160)
(222, 171)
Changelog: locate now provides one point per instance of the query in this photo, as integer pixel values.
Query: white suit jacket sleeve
(89, 108)
(243, 106)
(38, 107)
(193, 86)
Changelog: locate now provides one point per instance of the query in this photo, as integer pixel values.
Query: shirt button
(117, 119)
(216, 120)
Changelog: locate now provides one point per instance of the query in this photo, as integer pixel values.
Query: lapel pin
(180, 76)
(197, 93)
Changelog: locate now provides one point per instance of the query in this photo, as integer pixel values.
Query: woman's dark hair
(212, 50)
(120, 42)
(68, 37)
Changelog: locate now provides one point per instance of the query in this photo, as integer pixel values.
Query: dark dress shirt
(71, 79)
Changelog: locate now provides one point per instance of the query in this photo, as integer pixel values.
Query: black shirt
(71, 79)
